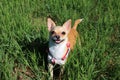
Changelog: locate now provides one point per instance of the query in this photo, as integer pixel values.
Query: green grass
(23, 36)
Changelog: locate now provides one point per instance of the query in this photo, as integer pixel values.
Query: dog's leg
(50, 66)
(61, 72)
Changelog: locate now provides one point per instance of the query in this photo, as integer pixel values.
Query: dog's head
(58, 34)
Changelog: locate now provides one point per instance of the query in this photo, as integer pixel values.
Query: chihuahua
(61, 40)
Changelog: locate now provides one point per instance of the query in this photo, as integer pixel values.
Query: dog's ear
(67, 25)
(50, 24)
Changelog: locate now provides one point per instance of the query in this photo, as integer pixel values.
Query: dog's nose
(57, 36)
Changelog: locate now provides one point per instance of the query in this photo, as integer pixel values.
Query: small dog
(61, 40)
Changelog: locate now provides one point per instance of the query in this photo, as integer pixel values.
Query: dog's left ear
(67, 25)
(50, 24)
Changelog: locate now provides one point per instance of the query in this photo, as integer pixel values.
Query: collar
(65, 55)
(67, 52)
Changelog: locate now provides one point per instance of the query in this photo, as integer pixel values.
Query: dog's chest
(57, 50)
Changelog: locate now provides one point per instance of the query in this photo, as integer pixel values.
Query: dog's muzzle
(57, 40)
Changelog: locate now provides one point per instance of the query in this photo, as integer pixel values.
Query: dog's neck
(58, 50)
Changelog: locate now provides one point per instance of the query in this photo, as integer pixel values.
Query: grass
(24, 35)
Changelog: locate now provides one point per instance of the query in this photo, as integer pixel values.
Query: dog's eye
(52, 32)
(63, 33)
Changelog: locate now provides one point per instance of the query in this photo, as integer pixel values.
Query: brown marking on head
(59, 33)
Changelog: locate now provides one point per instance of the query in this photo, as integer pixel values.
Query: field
(24, 38)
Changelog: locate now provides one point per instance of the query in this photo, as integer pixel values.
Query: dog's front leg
(61, 72)
(50, 66)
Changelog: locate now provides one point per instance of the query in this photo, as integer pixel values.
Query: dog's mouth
(58, 41)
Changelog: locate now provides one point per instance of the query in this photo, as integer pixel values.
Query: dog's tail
(76, 23)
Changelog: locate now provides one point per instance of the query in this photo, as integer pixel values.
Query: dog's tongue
(57, 41)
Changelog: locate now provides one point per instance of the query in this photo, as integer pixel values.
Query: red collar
(68, 49)
(66, 54)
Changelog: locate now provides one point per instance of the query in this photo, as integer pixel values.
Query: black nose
(57, 36)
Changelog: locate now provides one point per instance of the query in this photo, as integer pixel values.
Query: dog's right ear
(67, 25)
(50, 24)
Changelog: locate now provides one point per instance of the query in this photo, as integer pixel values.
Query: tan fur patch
(58, 31)
(73, 34)
(72, 37)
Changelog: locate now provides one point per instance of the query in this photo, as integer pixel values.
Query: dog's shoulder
(72, 37)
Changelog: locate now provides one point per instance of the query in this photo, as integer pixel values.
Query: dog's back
(72, 36)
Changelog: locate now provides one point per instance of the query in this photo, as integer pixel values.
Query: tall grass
(23, 36)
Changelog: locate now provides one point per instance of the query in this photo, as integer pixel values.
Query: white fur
(57, 51)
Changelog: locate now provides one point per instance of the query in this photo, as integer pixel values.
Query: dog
(61, 40)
